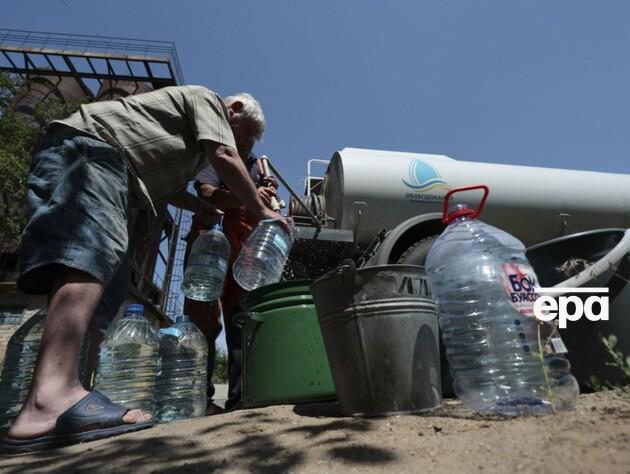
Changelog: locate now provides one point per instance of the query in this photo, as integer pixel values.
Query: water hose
(602, 265)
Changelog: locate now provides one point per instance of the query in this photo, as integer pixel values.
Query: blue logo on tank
(423, 177)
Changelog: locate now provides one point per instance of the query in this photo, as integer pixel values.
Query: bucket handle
(605, 263)
(348, 270)
(240, 319)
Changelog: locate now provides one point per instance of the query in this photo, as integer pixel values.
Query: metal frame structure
(90, 57)
(105, 59)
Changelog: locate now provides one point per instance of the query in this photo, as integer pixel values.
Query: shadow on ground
(247, 440)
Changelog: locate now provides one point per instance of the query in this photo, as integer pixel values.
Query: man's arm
(221, 198)
(185, 200)
(232, 171)
(224, 199)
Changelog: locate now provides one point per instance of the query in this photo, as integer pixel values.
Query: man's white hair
(251, 109)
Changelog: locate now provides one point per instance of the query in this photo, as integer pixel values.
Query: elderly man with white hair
(90, 169)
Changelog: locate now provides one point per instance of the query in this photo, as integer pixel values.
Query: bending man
(92, 166)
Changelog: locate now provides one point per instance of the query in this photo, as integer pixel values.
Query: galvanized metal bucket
(380, 331)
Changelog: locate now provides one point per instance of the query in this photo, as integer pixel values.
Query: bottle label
(520, 283)
(280, 243)
(171, 331)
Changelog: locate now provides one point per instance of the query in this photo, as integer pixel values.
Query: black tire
(417, 253)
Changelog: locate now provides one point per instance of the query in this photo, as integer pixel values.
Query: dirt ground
(595, 437)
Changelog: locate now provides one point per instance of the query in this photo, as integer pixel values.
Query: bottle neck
(458, 211)
(135, 316)
(459, 219)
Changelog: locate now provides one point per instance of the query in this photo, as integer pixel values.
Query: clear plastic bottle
(19, 365)
(207, 266)
(128, 361)
(263, 255)
(181, 385)
(484, 288)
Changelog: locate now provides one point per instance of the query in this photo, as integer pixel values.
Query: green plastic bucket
(284, 360)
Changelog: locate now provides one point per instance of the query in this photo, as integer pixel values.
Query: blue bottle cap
(134, 309)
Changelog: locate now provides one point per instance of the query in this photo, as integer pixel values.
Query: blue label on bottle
(280, 243)
(172, 331)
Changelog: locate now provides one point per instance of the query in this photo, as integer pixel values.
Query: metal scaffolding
(90, 57)
(108, 61)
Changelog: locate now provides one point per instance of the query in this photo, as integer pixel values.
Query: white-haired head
(251, 111)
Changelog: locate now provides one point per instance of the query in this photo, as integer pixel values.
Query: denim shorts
(77, 196)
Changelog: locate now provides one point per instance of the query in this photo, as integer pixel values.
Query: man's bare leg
(56, 386)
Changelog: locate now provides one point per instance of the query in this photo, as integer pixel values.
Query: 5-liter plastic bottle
(207, 266)
(181, 386)
(128, 361)
(263, 255)
(19, 365)
(485, 290)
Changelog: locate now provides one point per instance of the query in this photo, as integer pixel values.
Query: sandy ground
(595, 437)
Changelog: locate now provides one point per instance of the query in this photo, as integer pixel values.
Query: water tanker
(366, 191)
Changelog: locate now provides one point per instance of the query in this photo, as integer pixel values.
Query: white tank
(366, 190)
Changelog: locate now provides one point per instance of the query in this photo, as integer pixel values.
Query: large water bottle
(263, 255)
(19, 365)
(128, 361)
(498, 351)
(207, 266)
(181, 386)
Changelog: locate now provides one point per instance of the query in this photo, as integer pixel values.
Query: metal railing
(101, 58)
(72, 44)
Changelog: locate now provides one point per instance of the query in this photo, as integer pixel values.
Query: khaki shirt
(159, 133)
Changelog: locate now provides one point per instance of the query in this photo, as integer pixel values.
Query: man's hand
(209, 215)
(285, 222)
(266, 193)
(270, 181)
(206, 211)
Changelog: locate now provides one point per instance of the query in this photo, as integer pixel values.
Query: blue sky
(523, 82)
(543, 83)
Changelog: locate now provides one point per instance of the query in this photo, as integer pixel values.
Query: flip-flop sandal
(91, 418)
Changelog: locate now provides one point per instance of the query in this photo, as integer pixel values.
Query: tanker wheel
(417, 253)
